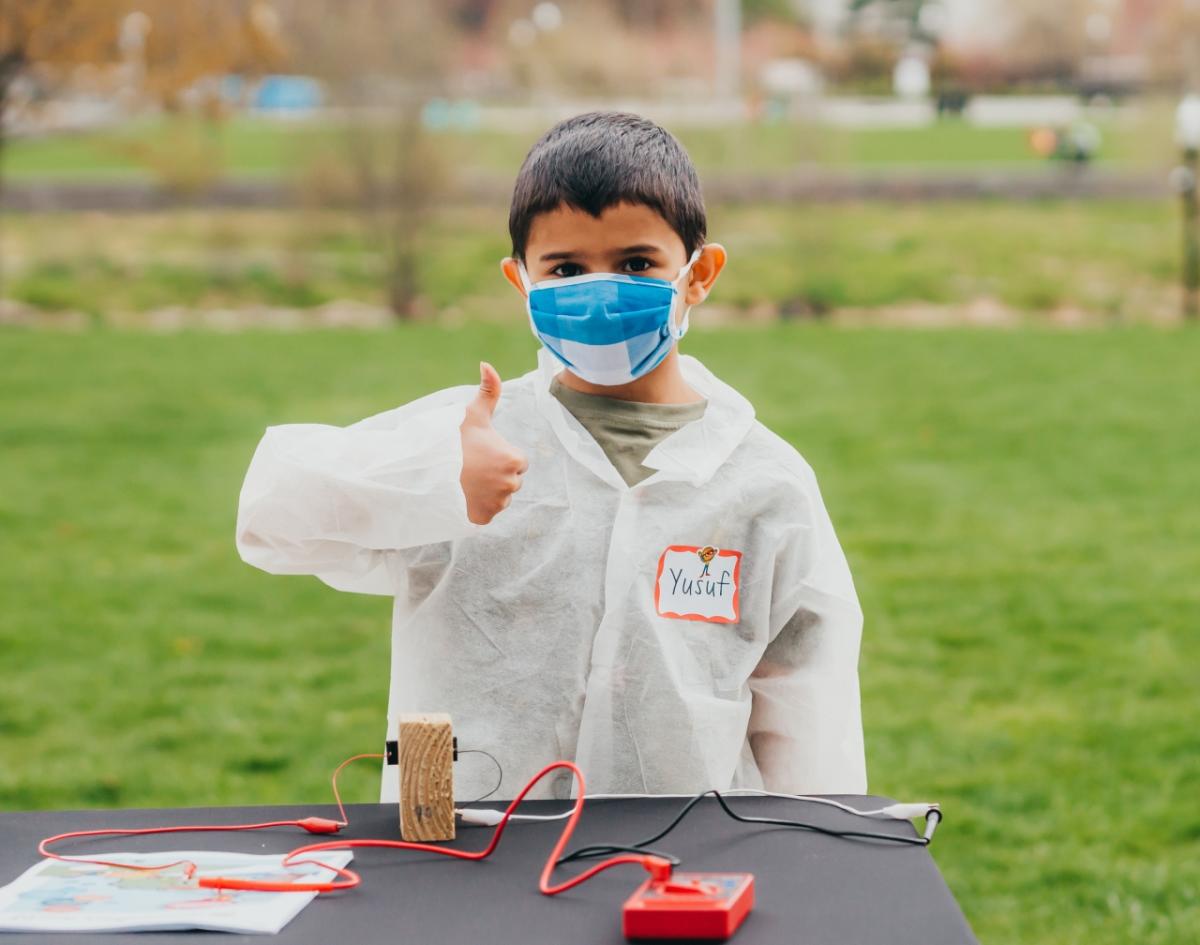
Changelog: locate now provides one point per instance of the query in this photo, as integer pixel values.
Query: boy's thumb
(489, 388)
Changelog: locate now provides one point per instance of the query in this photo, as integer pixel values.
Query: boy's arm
(333, 501)
(805, 721)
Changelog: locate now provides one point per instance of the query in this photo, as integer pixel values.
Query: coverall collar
(693, 453)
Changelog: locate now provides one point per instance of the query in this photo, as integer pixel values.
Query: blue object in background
(286, 93)
(442, 114)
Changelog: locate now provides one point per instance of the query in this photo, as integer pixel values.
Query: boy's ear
(508, 266)
(705, 269)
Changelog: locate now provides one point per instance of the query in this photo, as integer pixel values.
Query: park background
(956, 283)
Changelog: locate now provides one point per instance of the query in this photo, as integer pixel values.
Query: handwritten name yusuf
(699, 587)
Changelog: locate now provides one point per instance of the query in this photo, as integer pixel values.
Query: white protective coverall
(540, 633)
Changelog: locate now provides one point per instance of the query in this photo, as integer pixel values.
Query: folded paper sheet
(56, 896)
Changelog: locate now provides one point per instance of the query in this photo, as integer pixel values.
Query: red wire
(311, 824)
(345, 821)
(189, 865)
(657, 866)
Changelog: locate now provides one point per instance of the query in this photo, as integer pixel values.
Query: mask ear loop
(677, 333)
(524, 276)
(525, 281)
(528, 294)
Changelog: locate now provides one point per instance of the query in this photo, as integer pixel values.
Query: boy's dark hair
(596, 160)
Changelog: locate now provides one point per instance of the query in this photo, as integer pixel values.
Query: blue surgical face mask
(605, 327)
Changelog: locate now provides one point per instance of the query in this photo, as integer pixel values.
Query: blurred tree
(880, 31)
(863, 63)
(671, 14)
(142, 52)
(654, 14)
(895, 19)
(781, 11)
(1173, 45)
(1048, 42)
(43, 34)
(155, 52)
(53, 32)
(188, 47)
(382, 65)
(604, 49)
(177, 57)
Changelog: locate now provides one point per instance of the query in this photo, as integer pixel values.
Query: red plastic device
(689, 905)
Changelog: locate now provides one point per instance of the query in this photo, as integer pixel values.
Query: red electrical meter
(689, 905)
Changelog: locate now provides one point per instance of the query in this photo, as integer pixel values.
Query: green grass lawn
(252, 147)
(1019, 511)
(1114, 259)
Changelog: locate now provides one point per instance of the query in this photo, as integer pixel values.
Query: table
(810, 889)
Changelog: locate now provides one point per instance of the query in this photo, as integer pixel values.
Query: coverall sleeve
(334, 501)
(805, 726)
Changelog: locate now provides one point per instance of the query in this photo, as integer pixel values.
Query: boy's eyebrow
(623, 251)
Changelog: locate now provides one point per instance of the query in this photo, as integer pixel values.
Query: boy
(546, 539)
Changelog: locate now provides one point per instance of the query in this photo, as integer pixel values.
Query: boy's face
(628, 238)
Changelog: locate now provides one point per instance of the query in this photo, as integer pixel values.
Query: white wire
(879, 813)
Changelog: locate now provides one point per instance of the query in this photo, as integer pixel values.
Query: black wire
(499, 771)
(607, 849)
(643, 846)
(828, 831)
(594, 850)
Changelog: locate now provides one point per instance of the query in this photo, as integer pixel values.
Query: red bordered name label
(698, 582)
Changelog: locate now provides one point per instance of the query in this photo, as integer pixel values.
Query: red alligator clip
(689, 905)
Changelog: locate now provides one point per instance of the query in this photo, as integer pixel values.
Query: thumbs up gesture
(492, 467)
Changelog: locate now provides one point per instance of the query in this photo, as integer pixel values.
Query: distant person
(608, 559)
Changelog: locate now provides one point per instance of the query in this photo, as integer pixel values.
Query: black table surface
(810, 889)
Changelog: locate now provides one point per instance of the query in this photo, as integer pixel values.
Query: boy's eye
(566, 270)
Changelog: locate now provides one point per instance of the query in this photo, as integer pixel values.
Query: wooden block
(425, 755)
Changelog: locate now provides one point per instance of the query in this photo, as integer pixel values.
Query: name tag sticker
(698, 582)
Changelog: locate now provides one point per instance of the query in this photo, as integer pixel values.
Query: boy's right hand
(492, 467)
